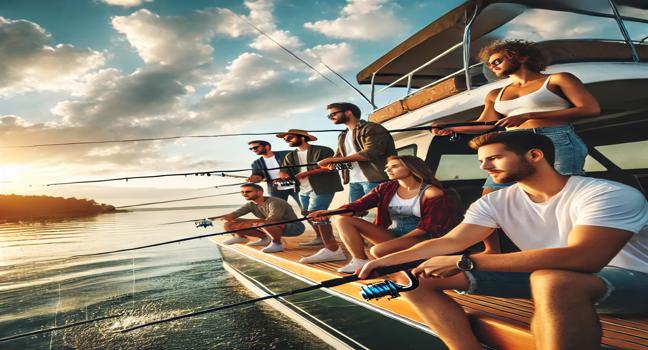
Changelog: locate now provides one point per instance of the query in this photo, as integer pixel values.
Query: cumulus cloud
(361, 20)
(27, 62)
(125, 3)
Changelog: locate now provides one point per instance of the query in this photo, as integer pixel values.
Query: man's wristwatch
(465, 263)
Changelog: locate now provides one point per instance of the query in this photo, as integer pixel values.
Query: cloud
(28, 63)
(125, 3)
(361, 20)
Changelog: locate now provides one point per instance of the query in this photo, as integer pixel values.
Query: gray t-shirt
(273, 209)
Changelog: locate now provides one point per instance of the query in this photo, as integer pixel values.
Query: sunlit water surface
(42, 286)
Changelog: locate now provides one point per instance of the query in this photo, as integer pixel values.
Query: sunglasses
(288, 137)
(332, 115)
(254, 148)
(496, 62)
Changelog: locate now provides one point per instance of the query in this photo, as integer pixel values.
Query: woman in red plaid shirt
(411, 207)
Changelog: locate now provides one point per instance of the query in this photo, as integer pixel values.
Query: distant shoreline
(17, 207)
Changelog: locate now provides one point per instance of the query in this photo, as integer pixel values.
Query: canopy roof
(500, 19)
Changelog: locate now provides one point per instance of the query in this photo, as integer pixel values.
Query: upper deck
(439, 61)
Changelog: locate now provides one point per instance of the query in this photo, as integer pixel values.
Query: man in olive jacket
(317, 187)
(367, 147)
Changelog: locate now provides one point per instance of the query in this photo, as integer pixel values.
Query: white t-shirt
(271, 162)
(304, 184)
(355, 174)
(583, 201)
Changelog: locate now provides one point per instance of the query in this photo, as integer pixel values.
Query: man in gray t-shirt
(268, 210)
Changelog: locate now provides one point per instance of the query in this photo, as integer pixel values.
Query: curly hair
(516, 48)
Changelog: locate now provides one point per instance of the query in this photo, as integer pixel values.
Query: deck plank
(499, 322)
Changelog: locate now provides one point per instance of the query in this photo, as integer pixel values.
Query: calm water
(40, 287)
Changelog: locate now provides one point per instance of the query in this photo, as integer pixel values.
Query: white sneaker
(261, 242)
(353, 266)
(324, 255)
(312, 243)
(273, 248)
(234, 240)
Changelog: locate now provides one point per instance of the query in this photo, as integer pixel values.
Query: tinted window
(631, 155)
(409, 150)
(459, 167)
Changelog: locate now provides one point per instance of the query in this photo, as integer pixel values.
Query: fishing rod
(56, 328)
(222, 172)
(219, 186)
(324, 284)
(441, 126)
(175, 200)
(337, 212)
(193, 220)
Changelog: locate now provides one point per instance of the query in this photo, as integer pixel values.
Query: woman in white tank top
(537, 102)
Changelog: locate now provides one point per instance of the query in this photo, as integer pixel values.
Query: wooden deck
(499, 323)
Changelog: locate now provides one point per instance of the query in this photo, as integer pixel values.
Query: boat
(603, 42)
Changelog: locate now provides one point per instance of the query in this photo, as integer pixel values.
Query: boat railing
(465, 44)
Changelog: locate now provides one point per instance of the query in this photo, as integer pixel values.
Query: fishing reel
(284, 184)
(388, 288)
(342, 166)
(204, 223)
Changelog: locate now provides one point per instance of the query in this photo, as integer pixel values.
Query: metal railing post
(624, 31)
(409, 83)
(466, 45)
(373, 90)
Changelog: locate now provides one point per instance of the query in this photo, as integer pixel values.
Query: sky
(74, 70)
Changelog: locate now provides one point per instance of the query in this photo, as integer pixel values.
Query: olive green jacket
(328, 182)
(375, 143)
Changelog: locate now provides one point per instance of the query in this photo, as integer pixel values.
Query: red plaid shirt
(437, 213)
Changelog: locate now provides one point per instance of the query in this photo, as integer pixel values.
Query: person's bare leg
(564, 309)
(276, 232)
(241, 224)
(326, 233)
(394, 245)
(441, 313)
(352, 230)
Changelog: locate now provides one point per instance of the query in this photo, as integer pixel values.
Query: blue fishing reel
(388, 288)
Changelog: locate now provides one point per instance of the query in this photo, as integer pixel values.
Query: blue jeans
(625, 288)
(310, 201)
(570, 152)
(357, 190)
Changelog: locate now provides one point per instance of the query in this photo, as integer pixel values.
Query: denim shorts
(626, 289)
(569, 147)
(311, 201)
(293, 229)
(284, 194)
(357, 190)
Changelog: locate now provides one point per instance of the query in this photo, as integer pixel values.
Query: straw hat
(299, 132)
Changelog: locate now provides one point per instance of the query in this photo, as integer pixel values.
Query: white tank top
(414, 203)
(541, 100)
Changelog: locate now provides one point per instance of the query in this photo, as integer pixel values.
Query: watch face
(465, 264)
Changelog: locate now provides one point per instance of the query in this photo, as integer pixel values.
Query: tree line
(17, 206)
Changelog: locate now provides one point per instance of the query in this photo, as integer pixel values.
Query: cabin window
(409, 150)
(629, 155)
(459, 167)
(592, 165)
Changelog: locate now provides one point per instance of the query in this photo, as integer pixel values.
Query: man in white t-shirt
(583, 241)
(266, 168)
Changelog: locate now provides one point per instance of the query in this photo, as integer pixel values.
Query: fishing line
(336, 212)
(193, 220)
(324, 284)
(441, 126)
(56, 328)
(175, 200)
(285, 48)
